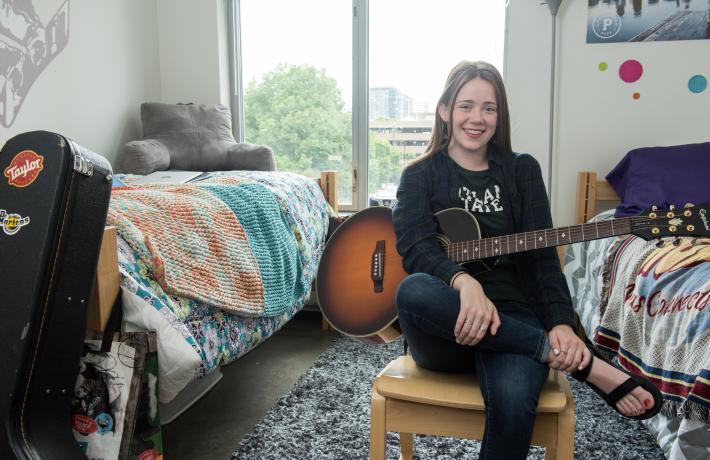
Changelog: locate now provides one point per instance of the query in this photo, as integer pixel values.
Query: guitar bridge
(377, 265)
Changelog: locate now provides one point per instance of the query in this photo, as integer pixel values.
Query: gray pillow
(144, 157)
(197, 137)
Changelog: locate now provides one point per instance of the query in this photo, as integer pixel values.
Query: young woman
(514, 322)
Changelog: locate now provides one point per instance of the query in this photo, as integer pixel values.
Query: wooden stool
(409, 399)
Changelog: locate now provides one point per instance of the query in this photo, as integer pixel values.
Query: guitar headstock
(655, 223)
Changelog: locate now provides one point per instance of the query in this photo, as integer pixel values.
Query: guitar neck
(468, 251)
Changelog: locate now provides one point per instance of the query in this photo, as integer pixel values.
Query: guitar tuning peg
(676, 242)
(672, 207)
(654, 208)
(688, 205)
(660, 243)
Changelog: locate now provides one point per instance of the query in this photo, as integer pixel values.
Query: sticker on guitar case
(83, 424)
(104, 423)
(24, 168)
(11, 223)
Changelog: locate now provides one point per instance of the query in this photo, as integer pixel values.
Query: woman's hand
(568, 350)
(477, 313)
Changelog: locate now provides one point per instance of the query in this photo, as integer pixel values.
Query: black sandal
(623, 389)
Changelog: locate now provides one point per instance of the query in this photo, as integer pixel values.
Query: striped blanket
(655, 317)
(223, 241)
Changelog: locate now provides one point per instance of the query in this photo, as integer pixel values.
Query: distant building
(389, 102)
(410, 137)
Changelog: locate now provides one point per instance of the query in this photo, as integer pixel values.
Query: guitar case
(54, 197)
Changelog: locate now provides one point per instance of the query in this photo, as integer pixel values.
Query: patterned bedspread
(583, 269)
(213, 334)
(655, 318)
(649, 306)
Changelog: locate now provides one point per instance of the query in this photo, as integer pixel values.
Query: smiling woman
(512, 322)
(348, 89)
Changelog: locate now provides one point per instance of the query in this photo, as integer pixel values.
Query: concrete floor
(212, 428)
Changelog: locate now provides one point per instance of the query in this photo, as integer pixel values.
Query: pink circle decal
(630, 70)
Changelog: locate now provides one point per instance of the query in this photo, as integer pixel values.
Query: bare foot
(607, 377)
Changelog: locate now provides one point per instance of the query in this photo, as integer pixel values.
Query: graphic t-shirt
(484, 197)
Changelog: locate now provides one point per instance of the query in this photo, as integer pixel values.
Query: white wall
(193, 51)
(596, 119)
(92, 91)
(527, 63)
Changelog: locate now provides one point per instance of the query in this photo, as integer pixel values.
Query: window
(297, 84)
(307, 91)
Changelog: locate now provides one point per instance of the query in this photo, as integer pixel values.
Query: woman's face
(474, 118)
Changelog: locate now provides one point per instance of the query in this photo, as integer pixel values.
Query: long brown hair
(461, 74)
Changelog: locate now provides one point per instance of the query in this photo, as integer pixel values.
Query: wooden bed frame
(591, 193)
(107, 279)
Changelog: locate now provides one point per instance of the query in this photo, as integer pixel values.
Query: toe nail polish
(646, 402)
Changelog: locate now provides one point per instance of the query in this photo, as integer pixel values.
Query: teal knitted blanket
(270, 239)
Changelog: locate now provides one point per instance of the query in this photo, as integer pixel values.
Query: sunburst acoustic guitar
(360, 269)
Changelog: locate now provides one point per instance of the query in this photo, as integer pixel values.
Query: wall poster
(611, 21)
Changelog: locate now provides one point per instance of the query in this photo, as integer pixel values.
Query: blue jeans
(510, 365)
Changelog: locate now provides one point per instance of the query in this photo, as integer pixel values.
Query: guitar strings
(576, 232)
(572, 230)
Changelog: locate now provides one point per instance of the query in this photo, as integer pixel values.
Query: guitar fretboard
(467, 251)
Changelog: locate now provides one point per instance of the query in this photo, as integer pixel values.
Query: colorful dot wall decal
(637, 95)
(697, 84)
(630, 70)
(603, 66)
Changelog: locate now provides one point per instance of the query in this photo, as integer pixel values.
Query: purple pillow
(662, 176)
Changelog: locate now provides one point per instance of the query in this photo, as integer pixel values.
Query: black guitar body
(457, 225)
(54, 197)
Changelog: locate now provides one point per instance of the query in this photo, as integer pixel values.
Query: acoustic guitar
(360, 269)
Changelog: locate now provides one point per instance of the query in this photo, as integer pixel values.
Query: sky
(413, 43)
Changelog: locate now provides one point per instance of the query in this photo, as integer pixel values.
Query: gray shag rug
(327, 415)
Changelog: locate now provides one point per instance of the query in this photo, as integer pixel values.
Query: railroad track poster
(611, 21)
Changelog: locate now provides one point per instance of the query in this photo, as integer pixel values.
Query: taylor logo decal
(24, 168)
(12, 223)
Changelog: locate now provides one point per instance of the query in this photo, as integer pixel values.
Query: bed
(645, 302)
(214, 266)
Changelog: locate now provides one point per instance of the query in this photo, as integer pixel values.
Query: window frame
(361, 122)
